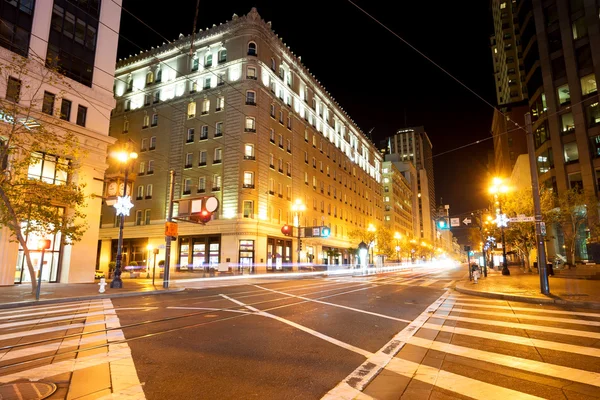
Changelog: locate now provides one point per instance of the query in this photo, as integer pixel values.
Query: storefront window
(199, 258)
(246, 255)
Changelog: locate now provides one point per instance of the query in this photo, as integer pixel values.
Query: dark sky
(379, 81)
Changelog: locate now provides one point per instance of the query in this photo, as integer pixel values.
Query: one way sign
(467, 221)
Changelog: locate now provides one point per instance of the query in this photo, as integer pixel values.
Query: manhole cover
(27, 390)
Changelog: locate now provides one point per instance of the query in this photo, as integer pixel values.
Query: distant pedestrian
(476, 272)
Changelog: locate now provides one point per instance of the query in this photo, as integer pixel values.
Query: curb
(29, 303)
(525, 299)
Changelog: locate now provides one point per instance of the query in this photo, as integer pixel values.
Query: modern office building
(413, 144)
(397, 200)
(510, 141)
(237, 116)
(561, 56)
(80, 38)
(506, 48)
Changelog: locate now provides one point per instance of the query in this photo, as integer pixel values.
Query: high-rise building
(561, 57)
(506, 49)
(80, 39)
(238, 117)
(509, 140)
(413, 144)
(397, 200)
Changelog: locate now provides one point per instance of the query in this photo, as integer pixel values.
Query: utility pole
(168, 239)
(537, 207)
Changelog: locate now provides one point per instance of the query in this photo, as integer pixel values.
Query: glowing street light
(372, 229)
(497, 189)
(298, 208)
(397, 236)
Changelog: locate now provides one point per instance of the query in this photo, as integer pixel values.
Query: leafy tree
(32, 202)
(576, 212)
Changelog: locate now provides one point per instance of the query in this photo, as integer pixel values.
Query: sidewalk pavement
(521, 286)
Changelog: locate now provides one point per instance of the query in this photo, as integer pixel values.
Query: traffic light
(205, 216)
(286, 230)
(442, 223)
(299, 245)
(325, 232)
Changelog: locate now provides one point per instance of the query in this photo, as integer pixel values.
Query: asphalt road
(295, 339)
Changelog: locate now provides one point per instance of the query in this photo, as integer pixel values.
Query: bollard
(102, 285)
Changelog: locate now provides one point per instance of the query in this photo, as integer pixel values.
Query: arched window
(149, 78)
(250, 98)
(195, 63)
(208, 60)
(252, 49)
(273, 64)
(222, 55)
(159, 75)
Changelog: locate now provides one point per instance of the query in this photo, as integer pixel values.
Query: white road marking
(320, 335)
(527, 316)
(54, 319)
(553, 370)
(53, 329)
(361, 376)
(522, 340)
(136, 308)
(465, 386)
(21, 310)
(429, 282)
(335, 305)
(516, 325)
(210, 309)
(5, 317)
(452, 282)
(27, 351)
(540, 310)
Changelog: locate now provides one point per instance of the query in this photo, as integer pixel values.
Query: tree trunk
(16, 228)
(526, 257)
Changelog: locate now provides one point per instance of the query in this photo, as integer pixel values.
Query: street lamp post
(123, 206)
(397, 236)
(298, 207)
(497, 190)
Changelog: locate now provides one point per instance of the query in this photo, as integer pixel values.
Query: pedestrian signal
(442, 223)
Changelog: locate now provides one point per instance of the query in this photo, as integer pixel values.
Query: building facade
(505, 43)
(397, 200)
(80, 38)
(509, 140)
(237, 116)
(413, 144)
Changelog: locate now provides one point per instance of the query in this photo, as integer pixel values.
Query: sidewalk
(525, 287)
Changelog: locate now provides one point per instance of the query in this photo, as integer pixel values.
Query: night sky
(380, 81)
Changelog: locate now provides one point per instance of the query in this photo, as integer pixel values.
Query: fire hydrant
(102, 285)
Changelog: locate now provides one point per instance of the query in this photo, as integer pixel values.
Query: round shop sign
(211, 204)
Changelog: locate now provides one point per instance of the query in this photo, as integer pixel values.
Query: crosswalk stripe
(521, 340)
(525, 316)
(53, 329)
(99, 306)
(463, 385)
(571, 374)
(54, 319)
(429, 282)
(452, 282)
(19, 311)
(517, 325)
(540, 310)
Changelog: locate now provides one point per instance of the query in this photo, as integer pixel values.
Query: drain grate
(27, 390)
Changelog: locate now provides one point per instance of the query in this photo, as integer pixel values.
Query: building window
(152, 143)
(144, 145)
(149, 188)
(289, 146)
(251, 73)
(146, 121)
(219, 129)
(250, 97)
(250, 124)
(190, 135)
(218, 156)
(222, 56)
(571, 152)
(248, 180)
(187, 186)
(65, 110)
(140, 192)
(48, 103)
(48, 168)
(579, 28)
(289, 169)
(588, 84)
(281, 141)
(252, 49)
(195, 63)
(138, 217)
(147, 217)
(273, 65)
(272, 110)
(567, 123)
(249, 152)
(204, 132)
(154, 119)
(142, 168)
(189, 157)
(81, 115)
(281, 117)
(72, 39)
(13, 89)
(202, 158)
(564, 95)
(208, 60)
(289, 122)
(248, 209)
(220, 103)
(592, 113)
(150, 167)
(216, 183)
(205, 106)
(156, 97)
(15, 32)
(201, 184)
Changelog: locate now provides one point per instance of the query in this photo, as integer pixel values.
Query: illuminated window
(149, 78)
(249, 152)
(218, 156)
(251, 73)
(191, 110)
(588, 84)
(564, 94)
(249, 180)
(149, 191)
(220, 103)
(205, 106)
(502, 6)
(248, 209)
(48, 168)
(250, 124)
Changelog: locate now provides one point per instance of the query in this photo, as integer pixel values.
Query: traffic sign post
(454, 222)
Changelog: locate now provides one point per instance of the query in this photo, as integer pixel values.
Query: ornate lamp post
(498, 190)
(123, 206)
(298, 208)
(397, 236)
(372, 229)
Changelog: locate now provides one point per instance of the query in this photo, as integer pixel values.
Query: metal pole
(537, 207)
(469, 264)
(166, 272)
(299, 241)
(39, 285)
(117, 283)
(154, 269)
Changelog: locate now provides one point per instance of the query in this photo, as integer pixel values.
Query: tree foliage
(36, 202)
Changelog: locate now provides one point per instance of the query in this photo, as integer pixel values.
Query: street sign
(543, 228)
(170, 229)
(467, 221)
(454, 222)
(522, 218)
